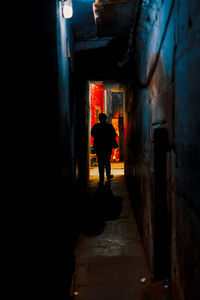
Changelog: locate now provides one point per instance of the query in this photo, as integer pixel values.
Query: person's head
(102, 118)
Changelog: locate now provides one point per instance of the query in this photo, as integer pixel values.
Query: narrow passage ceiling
(101, 31)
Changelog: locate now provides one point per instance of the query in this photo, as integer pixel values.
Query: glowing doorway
(111, 102)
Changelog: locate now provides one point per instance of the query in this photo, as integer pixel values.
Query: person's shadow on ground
(99, 207)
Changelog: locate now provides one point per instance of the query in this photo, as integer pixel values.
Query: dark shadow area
(157, 290)
(103, 61)
(100, 206)
(61, 240)
(134, 194)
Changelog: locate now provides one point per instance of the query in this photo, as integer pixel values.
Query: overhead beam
(92, 43)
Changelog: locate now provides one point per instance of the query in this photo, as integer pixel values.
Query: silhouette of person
(104, 138)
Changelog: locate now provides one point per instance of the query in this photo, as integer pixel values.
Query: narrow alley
(109, 247)
(137, 62)
(110, 262)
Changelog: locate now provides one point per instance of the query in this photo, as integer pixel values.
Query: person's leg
(101, 167)
(108, 167)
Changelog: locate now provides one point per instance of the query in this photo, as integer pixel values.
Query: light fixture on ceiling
(67, 9)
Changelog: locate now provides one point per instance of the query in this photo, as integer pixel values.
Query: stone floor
(110, 263)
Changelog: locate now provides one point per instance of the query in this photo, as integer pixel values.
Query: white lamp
(67, 9)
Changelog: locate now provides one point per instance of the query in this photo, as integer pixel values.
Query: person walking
(104, 141)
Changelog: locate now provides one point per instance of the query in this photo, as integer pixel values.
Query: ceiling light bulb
(67, 9)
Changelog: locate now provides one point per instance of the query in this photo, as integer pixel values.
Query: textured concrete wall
(82, 131)
(187, 108)
(65, 48)
(165, 102)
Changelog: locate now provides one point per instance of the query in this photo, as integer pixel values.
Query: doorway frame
(114, 86)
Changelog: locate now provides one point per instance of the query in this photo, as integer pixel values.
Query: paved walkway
(109, 257)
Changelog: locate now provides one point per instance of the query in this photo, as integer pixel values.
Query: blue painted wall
(65, 48)
(167, 64)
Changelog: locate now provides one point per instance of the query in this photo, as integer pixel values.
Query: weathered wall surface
(162, 146)
(187, 106)
(66, 104)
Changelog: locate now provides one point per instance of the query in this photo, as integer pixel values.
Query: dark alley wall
(47, 199)
(65, 49)
(163, 150)
(82, 131)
